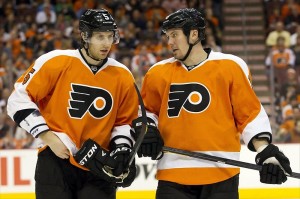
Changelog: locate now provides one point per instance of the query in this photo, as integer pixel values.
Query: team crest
(192, 97)
(86, 99)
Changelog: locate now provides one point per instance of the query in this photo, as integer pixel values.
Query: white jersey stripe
(171, 160)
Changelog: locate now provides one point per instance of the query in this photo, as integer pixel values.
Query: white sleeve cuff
(121, 134)
(34, 124)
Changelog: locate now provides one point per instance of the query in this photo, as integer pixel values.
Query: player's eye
(100, 37)
(173, 35)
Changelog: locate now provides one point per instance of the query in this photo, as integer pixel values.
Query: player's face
(178, 42)
(100, 44)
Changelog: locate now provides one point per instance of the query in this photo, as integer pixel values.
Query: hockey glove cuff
(275, 165)
(120, 153)
(153, 143)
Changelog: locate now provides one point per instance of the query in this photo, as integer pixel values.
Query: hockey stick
(137, 144)
(220, 160)
(144, 129)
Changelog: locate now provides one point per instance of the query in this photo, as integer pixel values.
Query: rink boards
(17, 171)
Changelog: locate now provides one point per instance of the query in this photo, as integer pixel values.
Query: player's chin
(103, 55)
(176, 56)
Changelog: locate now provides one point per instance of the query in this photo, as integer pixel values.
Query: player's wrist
(46, 136)
(259, 144)
(261, 148)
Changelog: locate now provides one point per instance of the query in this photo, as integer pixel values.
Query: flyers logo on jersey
(97, 101)
(192, 97)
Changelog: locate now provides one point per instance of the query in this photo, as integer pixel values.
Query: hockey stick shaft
(220, 160)
(144, 129)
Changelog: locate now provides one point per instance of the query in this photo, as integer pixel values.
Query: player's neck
(89, 59)
(196, 56)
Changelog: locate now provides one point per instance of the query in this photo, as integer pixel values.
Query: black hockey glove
(120, 152)
(275, 165)
(95, 158)
(152, 143)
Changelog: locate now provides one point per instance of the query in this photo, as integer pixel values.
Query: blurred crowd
(283, 64)
(30, 28)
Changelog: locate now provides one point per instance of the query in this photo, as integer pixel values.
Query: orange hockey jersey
(76, 103)
(206, 109)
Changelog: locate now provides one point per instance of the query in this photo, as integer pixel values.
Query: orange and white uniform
(205, 109)
(74, 102)
(281, 58)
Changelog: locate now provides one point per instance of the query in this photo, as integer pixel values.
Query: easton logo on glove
(88, 155)
(120, 149)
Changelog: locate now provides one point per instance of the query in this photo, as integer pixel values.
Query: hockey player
(80, 103)
(202, 101)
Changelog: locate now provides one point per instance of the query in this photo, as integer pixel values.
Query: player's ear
(194, 35)
(84, 36)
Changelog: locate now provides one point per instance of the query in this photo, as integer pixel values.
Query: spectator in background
(139, 20)
(2, 73)
(218, 12)
(286, 128)
(21, 139)
(273, 16)
(16, 41)
(65, 8)
(280, 59)
(6, 125)
(4, 132)
(210, 31)
(46, 16)
(193, 4)
(20, 66)
(290, 89)
(127, 43)
(10, 19)
(292, 19)
(295, 35)
(211, 43)
(79, 6)
(288, 6)
(5, 92)
(126, 61)
(297, 125)
(4, 61)
(5, 65)
(30, 34)
(296, 50)
(43, 46)
(3, 101)
(72, 32)
(149, 33)
(123, 19)
(44, 3)
(156, 14)
(289, 99)
(161, 50)
(60, 24)
(142, 61)
(278, 32)
(172, 5)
